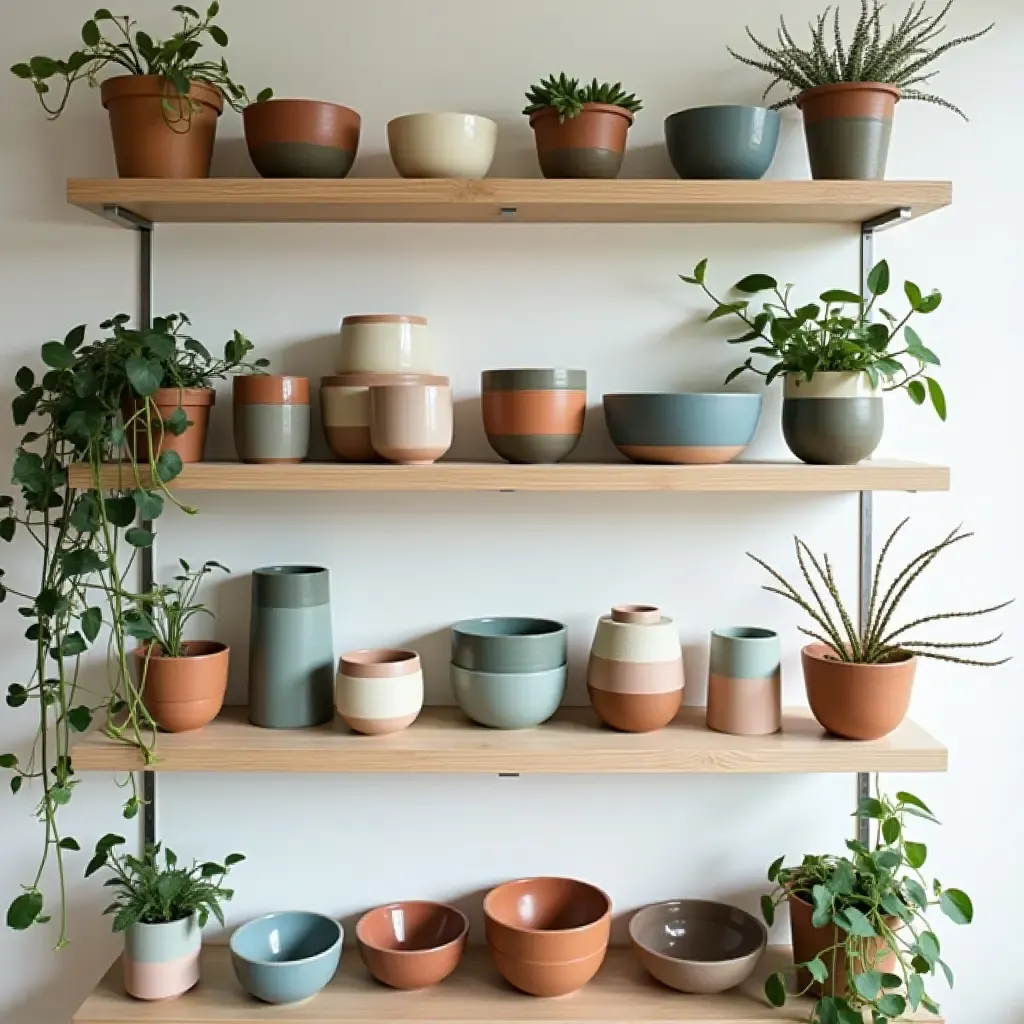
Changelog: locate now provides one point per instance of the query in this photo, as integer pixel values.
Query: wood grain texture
(620, 994)
(573, 742)
(738, 477)
(253, 200)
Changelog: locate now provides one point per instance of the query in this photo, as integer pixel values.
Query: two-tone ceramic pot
(833, 419)
(301, 138)
(379, 691)
(161, 961)
(745, 681)
(271, 418)
(589, 145)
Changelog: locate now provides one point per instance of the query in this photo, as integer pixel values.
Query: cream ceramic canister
(635, 674)
(385, 343)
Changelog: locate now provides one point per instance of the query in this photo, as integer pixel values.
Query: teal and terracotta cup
(271, 418)
(162, 960)
(745, 682)
(301, 138)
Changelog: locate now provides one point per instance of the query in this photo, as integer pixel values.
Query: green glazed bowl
(509, 700)
(509, 644)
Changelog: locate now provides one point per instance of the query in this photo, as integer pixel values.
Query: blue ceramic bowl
(509, 643)
(682, 429)
(282, 958)
(509, 700)
(722, 142)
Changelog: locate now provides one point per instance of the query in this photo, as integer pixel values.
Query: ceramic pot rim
(194, 916)
(441, 113)
(745, 395)
(283, 571)
(158, 655)
(689, 960)
(744, 634)
(819, 652)
(834, 87)
(488, 902)
(588, 108)
(461, 917)
(384, 318)
(295, 100)
(132, 86)
(546, 628)
(287, 963)
(380, 656)
(183, 397)
(369, 380)
(723, 106)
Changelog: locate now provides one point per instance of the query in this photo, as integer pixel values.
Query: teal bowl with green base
(722, 141)
(509, 700)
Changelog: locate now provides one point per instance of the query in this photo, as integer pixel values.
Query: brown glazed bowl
(547, 919)
(697, 946)
(301, 138)
(548, 978)
(413, 944)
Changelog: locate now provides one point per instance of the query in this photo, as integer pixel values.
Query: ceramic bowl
(301, 138)
(283, 958)
(547, 920)
(548, 978)
(722, 141)
(509, 644)
(412, 945)
(697, 946)
(442, 145)
(509, 700)
(411, 424)
(379, 691)
(385, 343)
(682, 428)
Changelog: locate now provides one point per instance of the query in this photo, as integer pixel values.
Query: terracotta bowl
(548, 978)
(697, 946)
(547, 919)
(413, 944)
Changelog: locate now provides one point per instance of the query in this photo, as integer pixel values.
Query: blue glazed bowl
(283, 958)
(509, 643)
(722, 142)
(682, 429)
(509, 700)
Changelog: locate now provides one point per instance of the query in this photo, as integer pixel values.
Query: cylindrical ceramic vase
(745, 682)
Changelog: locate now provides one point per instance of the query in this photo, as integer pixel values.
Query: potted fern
(859, 680)
(847, 88)
(161, 909)
(580, 130)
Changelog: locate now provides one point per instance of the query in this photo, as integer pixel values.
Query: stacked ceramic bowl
(509, 673)
(384, 402)
(547, 936)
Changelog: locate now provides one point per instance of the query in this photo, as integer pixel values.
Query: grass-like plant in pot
(862, 943)
(836, 362)
(164, 105)
(161, 908)
(859, 681)
(580, 130)
(848, 87)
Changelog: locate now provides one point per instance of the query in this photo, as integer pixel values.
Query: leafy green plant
(567, 96)
(829, 336)
(146, 893)
(89, 400)
(900, 57)
(879, 640)
(116, 42)
(877, 900)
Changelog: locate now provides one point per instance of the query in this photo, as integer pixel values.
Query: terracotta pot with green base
(301, 138)
(161, 961)
(589, 145)
(848, 126)
(834, 419)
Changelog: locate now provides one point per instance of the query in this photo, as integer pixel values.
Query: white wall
(405, 566)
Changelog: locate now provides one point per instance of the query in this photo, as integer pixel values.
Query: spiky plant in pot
(567, 96)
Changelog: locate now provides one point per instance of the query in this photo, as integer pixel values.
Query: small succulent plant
(567, 96)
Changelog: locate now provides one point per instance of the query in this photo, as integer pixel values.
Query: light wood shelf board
(735, 477)
(573, 742)
(253, 200)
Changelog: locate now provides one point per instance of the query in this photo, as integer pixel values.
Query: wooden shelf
(573, 742)
(640, 201)
(622, 993)
(739, 477)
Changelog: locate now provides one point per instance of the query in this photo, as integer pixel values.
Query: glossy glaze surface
(722, 141)
(161, 961)
(411, 424)
(548, 978)
(379, 691)
(445, 145)
(509, 700)
(745, 681)
(385, 343)
(509, 644)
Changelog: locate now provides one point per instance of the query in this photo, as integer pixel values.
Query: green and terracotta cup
(271, 418)
(834, 419)
(301, 138)
(589, 145)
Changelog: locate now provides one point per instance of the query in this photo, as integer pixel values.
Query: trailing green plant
(878, 900)
(567, 96)
(116, 42)
(901, 57)
(146, 893)
(879, 640)
(88, 403)
(834, 335)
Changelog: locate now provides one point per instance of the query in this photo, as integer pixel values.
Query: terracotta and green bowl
(301, 138)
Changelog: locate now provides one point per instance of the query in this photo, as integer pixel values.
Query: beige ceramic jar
(411, 424)
(385, 343)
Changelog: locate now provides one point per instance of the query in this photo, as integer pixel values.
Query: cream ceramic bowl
(379, 691)
(411, 424)
(442, 145)
(385, 343)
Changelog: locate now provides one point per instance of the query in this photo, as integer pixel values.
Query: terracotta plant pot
(190, 445)
(152, 142)
(184, 693)
(857, 702)
(833, 419)
(301, 138)
(848, 126)
(271, 418)
(589, 145)
(161, 961)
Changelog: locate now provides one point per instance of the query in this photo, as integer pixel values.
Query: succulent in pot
(836, 362)
(580, 130)
(859, 680)
(848, 88)
(162, 908)
(164, 107)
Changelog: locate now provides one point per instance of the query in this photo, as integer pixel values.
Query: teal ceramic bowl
(682, 429)
(509, 644)
(509, 700)
(283, 958)
(722, 141)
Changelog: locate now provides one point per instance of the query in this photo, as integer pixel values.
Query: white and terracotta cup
(745, 681)
(385, 343)
(379, 691)
(411, 424)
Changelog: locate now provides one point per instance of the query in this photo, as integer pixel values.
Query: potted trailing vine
(161, 909)
(164, 109)
(862, 942)
(859, 681)
(847, 89)
(87, 540)
(184, 680)
(580, 130)
(836, 363)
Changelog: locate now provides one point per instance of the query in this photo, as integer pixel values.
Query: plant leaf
(818, 970)
(916, 854)
(937, 397)
(839, 295)
(917, 392)
(756, 283)
(892, 1005)
(957, 906)
(775, 989)
(868, 985)
(855, 922)
(57, 355)
(878, 279)
(79, 718)
(767, 910)
(915, 990)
